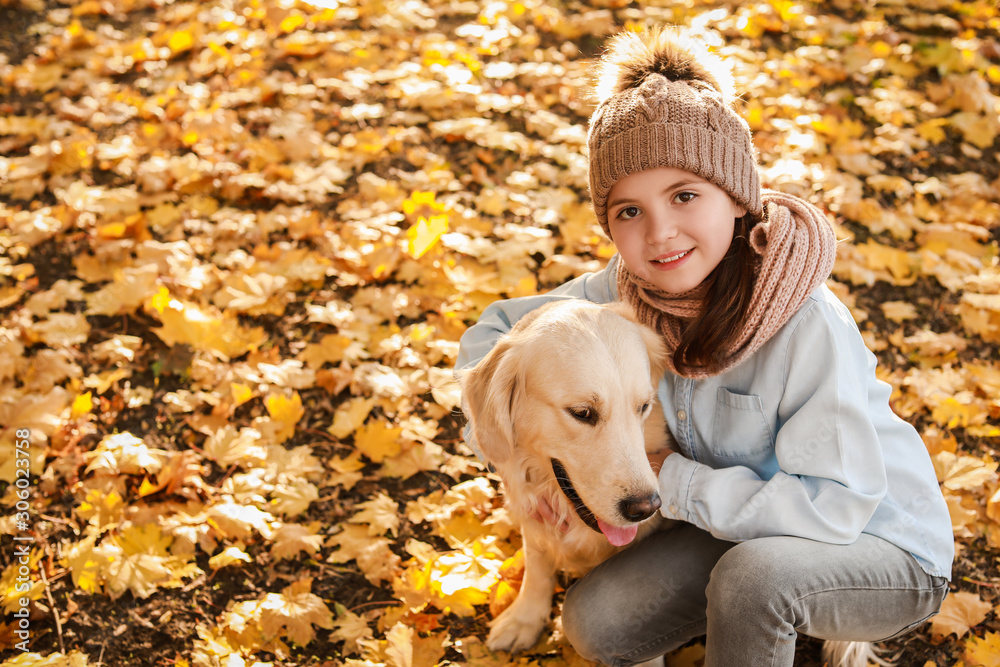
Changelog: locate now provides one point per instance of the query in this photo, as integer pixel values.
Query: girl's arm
(830, 477)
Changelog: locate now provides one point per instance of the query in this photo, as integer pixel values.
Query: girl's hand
(657, 458)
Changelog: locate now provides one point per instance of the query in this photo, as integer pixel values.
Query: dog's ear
(488, 393)
(656, 349)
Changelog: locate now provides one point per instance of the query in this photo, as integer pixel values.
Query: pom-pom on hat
(665, 101)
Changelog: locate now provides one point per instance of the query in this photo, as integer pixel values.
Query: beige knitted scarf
(797, 248)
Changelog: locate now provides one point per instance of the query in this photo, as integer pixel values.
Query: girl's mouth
(670, 261)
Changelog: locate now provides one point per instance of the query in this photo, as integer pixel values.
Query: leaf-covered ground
(241, 239)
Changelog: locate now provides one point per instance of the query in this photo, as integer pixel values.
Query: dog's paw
(513, 631)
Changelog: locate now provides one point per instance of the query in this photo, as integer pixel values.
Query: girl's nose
(661, 228)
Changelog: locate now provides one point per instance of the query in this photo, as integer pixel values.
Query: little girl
(803, 504)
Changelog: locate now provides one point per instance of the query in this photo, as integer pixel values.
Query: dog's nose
(639, 508)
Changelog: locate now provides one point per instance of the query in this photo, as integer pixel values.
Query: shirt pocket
(740, 430)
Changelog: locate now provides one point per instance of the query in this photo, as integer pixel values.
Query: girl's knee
(585, 623)
(596, 623)
(746, 577)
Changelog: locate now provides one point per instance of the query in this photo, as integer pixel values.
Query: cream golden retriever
(569, 390)
(564, 409)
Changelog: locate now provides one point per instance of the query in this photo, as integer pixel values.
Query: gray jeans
(749, 599)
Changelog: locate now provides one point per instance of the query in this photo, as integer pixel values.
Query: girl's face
(671, 227)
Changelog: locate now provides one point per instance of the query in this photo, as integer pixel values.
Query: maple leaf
(349, 628)
(425, 234)
(959, 613)
(291, 539)
(954, 413)
(241, 393)
(445, 388)
(182, 474)
(240, 521)
(933, 349)
(399, 649)
(415, 458)
(294, 462)
(229, 556)
(145, 562)
(332, 348)
(203, 328)
(63, 330)
(351, 416)
(455, 581)
(504, 591)
(377, 440)
(897, 311)
(372, 554)
(979, 130)
(475, 653)
(293, 496)
(12, 583)
(285, 413)
(963, 518)
(381, 514)
(102, 509)
(963, 472)
(55, 659)
(983, 651)
(134, 559)
(882, 258)
(123, 453)
(85, 563)
(228, 445)
(980, 315)
(347, 471)
(294, 612)
(130, 288)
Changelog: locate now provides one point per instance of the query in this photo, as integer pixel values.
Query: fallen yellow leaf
(959, 613)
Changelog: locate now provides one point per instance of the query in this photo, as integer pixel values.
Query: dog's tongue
(618, 536)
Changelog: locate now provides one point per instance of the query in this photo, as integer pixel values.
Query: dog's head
(569, 388)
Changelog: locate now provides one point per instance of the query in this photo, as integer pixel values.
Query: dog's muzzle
(634, 509)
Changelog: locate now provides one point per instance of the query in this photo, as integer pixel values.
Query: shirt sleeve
(830, 476)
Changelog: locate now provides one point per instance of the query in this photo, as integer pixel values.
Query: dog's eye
(586, 415)
(644, 408)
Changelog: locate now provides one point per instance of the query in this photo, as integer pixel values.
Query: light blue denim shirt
(798, 439)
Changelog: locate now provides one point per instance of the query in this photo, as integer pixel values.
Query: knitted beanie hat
(664, 101)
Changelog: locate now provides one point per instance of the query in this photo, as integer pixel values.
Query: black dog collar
(562, 477)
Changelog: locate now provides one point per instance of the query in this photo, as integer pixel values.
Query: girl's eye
(685, 197)
(628, 212)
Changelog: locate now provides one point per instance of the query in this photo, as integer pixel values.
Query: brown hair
(727, 303)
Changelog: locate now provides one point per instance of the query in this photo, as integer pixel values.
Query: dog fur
(576, 382)
(527, 403)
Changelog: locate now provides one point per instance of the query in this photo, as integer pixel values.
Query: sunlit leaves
(203, 328)
(982, 651)
(423, 235)
(134, 559)
(239, 245)
(372, 554)
(377, 441)
(959, 613)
